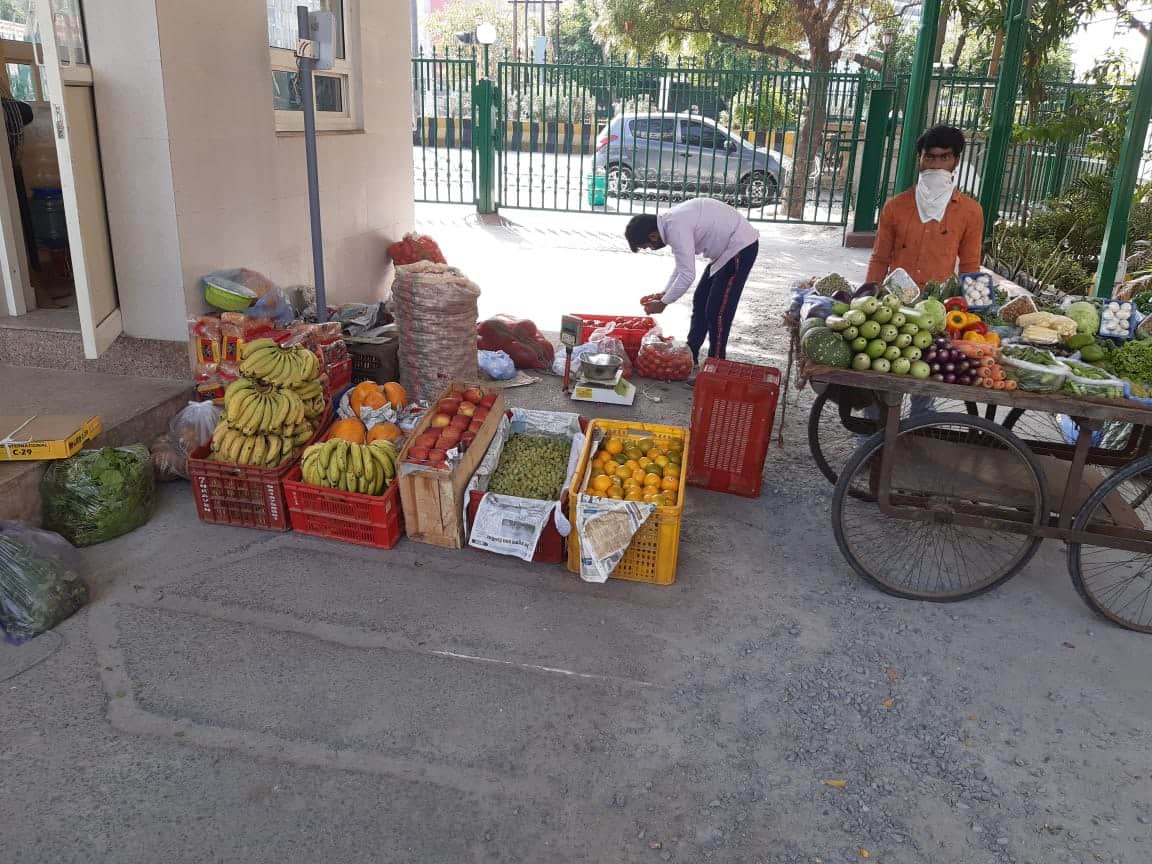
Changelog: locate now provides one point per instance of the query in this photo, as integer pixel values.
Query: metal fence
(589, 135)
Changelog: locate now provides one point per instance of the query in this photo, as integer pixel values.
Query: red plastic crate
(238, 495)
(367, 520)
(733, 407)
(630, 337)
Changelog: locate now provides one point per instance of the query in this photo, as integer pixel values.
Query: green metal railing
(444, 165)
(732, 133)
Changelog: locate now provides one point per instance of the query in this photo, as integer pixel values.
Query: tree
(463, 16)
(810, 34)
(577, 19)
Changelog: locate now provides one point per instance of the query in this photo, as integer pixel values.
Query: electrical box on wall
(322, 31)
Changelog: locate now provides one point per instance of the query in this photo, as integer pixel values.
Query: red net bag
(663, 358)
(416, 247)
(519, 338)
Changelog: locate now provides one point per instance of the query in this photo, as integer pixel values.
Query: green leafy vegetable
(1143, 302)
(1086, 316)
(38, 586)
(1132, 360)
(98, 494)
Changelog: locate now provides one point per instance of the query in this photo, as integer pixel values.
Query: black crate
(377, 361)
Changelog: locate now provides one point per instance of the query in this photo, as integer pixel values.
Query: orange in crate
(733, 407)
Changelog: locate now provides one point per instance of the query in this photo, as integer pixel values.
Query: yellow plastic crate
(652, 555)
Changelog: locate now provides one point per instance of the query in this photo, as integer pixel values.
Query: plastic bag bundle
(435, 309)
(98, 494)
(607, 342)
(39, 582)
(497, 365)
(192, 427)
(664, 359)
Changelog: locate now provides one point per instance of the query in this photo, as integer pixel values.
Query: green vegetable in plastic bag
(98, 494)
(1086, 316)
(39, 585)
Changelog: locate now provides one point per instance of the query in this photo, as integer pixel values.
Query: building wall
(237, 188)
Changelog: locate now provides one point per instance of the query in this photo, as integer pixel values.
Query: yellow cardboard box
(45, 436)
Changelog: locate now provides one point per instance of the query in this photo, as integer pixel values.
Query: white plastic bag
(192, 427)
(497, 365)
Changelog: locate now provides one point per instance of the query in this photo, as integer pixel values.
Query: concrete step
(50, 339)
(131, 409)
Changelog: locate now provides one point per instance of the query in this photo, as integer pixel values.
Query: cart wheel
(833, 437)
(939, 560)
(1117, 583)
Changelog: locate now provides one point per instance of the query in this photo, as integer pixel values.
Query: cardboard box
(433, 500)
(35, 437)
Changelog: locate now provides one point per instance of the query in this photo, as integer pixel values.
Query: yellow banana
(256, 345)
(333, 471)
(342, 455)
(236, 388)
(245, 455)
(259, 450)
(283, 406)
(275, 444)
(356, 458)
(326, 453)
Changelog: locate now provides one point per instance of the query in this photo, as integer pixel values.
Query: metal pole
(1003, 112)
(917, 104)
(515, 32)
(305, 65)
(1124, 184)
(872, 159)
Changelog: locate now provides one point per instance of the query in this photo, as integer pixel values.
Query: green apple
(869, 329)
(862, 363)
(876, 348)
(903, 341)
(911, 352)
(920, 369)
(922, 340)
(859, 344)
(889, 333)
(881, 365)
(901, 365)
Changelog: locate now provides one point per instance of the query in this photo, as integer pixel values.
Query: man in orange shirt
(925, 230)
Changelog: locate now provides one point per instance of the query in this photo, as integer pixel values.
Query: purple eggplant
(842, 297)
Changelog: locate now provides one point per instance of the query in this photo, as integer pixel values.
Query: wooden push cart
(952, 498)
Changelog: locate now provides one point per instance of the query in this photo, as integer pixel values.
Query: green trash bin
(597, 190)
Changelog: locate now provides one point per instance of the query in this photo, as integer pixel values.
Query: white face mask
(933, 192)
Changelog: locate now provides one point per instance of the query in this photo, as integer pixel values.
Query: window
(655, 130)
(336, 90)
(705, 137)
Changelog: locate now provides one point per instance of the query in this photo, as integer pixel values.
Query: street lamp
(889, 32)
(486, 35)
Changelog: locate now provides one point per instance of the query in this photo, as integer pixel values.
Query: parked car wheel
(619, 179)
(758, 189)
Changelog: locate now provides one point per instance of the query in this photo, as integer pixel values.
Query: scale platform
(618, 392)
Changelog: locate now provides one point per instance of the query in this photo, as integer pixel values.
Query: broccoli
(830, 284)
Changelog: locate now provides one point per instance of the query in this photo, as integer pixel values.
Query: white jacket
(702, 226)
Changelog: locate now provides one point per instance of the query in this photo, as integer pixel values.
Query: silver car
(686, 153)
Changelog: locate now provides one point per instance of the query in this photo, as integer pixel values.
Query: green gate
(620, 138)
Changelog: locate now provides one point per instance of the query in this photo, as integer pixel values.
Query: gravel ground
(237, 696)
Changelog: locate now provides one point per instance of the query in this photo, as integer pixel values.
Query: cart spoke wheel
(948, 464)
(832, 441)
(1117, 583)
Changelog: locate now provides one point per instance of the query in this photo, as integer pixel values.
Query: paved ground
(237, 696)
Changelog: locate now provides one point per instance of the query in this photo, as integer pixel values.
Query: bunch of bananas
(339, 464)
(266, 361)
(261, 450)
(311, 393)
(252, 408)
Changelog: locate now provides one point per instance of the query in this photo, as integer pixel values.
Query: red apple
(417, 453)
(448, 405)
(475, 425)
(460, 421)
(467, 409)
(428, 439)
(481, 414)
(439, 421)
(489, 400)
(468, 437)
(437, 455)
(474, 395)
(452, 433)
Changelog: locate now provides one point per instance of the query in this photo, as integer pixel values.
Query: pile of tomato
(664, 361)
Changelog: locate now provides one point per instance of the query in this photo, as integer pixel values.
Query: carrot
(986, 383)
(984, 372)
(1009, 385)
(999, 385)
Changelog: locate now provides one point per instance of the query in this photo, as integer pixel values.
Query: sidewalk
(540, 265)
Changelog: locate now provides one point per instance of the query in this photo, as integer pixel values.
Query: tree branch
(1131, 20)
(740, 42)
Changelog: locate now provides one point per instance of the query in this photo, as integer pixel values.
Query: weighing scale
(619, 391)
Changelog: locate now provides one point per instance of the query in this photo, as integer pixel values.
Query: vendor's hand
(655, 307)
